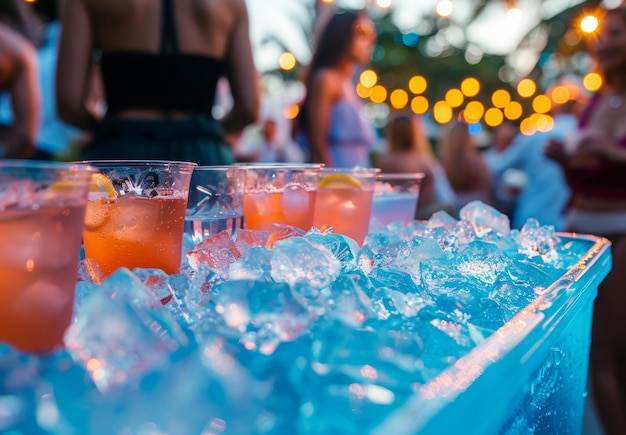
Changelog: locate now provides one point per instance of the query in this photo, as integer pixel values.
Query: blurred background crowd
(536, 131)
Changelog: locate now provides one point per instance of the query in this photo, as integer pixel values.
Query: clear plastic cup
(136, 214)
(215, 201)
(42, 210)
(344, 201)
(280, 194)
(395, 197)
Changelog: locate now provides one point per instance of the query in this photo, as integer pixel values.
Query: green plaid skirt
(199, 140)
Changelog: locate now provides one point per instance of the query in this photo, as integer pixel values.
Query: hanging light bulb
(444, 8)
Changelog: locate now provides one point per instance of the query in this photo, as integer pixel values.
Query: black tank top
(168, 80)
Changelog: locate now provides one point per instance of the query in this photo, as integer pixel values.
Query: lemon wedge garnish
(339, 181)
(100, 184)
(64, 186)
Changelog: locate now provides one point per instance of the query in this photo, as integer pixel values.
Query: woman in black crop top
(160, 64)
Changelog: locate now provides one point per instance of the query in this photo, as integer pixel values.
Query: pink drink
(345, 203)
(292, 206)
(41, 223)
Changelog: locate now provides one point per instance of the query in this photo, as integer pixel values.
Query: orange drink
(136, 214)
(281, 194)
(344, 201)
(42, 208)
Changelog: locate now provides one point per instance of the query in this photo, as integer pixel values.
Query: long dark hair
(332, 45)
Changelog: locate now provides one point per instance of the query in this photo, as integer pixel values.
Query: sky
(494, 32)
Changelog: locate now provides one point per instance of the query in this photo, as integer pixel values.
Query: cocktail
(395, 197)
(215, 201)
(280, 193)
(42, 209)
(344, 201)
(136, 214)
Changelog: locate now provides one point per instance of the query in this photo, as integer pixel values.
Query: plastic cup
(42, 209)
(395, 197)
(215, 201)
(136, 214)
(344, 201)
(280, 194)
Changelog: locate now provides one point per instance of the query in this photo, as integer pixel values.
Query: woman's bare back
(202, 26)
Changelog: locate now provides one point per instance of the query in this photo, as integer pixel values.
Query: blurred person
(408, 150)
(330, 117)
(505, 192)
(465, 166)
(595, 168)
(160, 63)
(542, 191)
(18, 79)
(39, 23)
(278, 150)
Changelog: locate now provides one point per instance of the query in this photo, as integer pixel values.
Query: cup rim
(400, 176)
(256, 165)
(136, 163)
(42, 164)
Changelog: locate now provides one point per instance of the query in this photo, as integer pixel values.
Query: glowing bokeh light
(542, 104)
(500, 98)
(513, 110)
(417, 84)
(363, 91)
(470, 87)
(589, 24)
(292, 111)
(592, 81)
(419, 105)
(560, 94)
(454, 98)
(379, 94)
(383, 4)
(473, 112)
(494, 117)
(442, 112)
(287, 61)
(368, 78)
(444, 8)
(399, 98)
(526, 88)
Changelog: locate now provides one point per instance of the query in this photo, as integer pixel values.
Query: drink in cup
(280, 193)
(395, 197)
(136, 214)
(215, 201)
(42, 209)
(344, 201)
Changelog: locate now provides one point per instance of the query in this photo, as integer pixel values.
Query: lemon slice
(339, 181)
(64, 186)
(101, 186)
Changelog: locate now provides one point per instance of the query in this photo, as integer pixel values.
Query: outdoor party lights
(470, 87)
(454, 98)
(290, 112)
(368, 78)
(561, 94)
(444, 8)
(513, 110)
(379, 94)
(592, 81)
(419, 105)
(442, 112)
(383, 4)
(474, 111)
(526, 88)
(417, 84)
(494, 117)
(500, 98)
(363, 91)
(398, 98)
(542, 104)
(287, 61)
(589, 23)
